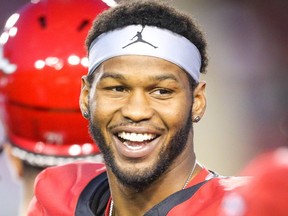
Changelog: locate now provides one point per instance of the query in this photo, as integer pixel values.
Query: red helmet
(43, 59)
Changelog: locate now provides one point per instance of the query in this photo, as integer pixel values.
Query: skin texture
(143, 95)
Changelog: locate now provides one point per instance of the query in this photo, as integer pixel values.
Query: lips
(136, 144)
(136, 137)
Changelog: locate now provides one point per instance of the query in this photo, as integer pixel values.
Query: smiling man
(141, 96)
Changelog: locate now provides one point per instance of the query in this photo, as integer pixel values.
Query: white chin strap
(146, 41)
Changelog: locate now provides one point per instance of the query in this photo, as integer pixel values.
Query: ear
(84, 97)
(199, 105)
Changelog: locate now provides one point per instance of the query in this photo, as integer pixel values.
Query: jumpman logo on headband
(139, 39)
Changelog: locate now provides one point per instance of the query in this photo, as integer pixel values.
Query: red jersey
(82, 188)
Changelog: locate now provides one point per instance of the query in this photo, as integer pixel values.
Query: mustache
(130, 123)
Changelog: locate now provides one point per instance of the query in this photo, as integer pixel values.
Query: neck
(128, 202)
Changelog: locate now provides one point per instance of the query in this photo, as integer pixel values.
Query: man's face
(140, 116)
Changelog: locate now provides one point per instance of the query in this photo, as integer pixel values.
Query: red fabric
(207, 199)
(57, 189)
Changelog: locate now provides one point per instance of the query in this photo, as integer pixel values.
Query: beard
(141, 179)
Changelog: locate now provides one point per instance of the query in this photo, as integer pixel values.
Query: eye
(162, 93)
(116, 88)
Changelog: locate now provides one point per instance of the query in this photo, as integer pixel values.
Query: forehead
(142, 67)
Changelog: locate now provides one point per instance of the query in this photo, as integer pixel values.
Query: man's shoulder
(223, 183)
(73, 175)
(63, 184)
(80, 170)
(219, 185)
(213, 192)
(207, 198)
(230, 183)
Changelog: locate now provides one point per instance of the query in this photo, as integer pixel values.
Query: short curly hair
(150, 13)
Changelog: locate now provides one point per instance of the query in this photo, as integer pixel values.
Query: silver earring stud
(196, 119)
(86, 115)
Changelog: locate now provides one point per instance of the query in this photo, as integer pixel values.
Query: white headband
(148, 41)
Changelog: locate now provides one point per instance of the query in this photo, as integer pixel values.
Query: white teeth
(132, 147)
(136, 137)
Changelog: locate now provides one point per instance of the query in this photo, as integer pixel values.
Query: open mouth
(135, 141)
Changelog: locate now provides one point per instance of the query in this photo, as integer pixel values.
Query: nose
(137, 107)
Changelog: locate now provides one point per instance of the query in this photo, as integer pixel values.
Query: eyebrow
(113, 76)
(164, 77)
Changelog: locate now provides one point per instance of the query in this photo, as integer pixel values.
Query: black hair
(151, 13)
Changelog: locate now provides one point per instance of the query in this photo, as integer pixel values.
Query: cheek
(102, 109)
(175, 113)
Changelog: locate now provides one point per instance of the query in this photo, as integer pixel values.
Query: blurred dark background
(247, 78)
